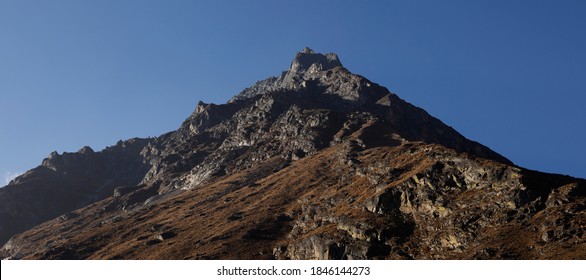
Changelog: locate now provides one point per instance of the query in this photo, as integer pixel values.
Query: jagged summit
(307, 58)
(307, 50)
(306, 66)
(86, 150)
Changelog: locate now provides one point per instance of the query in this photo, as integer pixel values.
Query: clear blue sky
(508, 74)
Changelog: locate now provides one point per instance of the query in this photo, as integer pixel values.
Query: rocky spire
(303, 67)
(307, 58)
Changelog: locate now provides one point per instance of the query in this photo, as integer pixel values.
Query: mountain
(317, 163)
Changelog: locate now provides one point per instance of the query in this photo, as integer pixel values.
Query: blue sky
(508, 74)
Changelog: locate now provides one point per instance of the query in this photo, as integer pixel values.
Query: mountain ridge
(319, 114)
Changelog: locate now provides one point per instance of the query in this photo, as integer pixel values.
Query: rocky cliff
(66, 182)
(317, 163)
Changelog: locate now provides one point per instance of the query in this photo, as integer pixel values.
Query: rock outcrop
(66, 182)
(318, 163)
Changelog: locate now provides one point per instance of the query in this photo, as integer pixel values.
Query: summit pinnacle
(307, 58)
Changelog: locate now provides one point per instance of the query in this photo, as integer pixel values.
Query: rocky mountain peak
(306, 50)
(86, 150)
(307, 65)
(315, 163)
(307, 58)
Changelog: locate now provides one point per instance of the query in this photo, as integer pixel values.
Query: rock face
(318, 163)
(63, 183)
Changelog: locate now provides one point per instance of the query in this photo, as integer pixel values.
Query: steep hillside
(317, 163)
